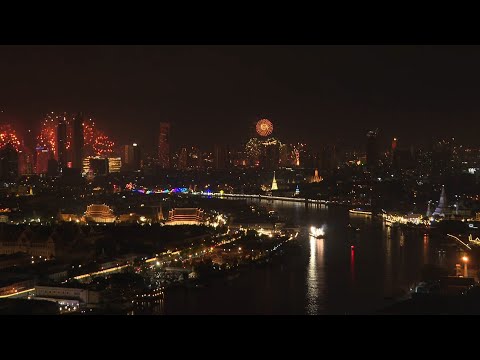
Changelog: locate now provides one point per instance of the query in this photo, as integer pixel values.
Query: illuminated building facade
(99, 213)
(114, 164)
(316, 178)
(164, 145)
(185, 216)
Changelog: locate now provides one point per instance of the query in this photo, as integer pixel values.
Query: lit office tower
(114, 164)
(43, 155)
(62, 144)
(132, 157)
(373, 154)
(77, 141)
(8, 163)
(164, 145)
(219, 157)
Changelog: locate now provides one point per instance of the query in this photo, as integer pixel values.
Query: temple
(274, 182)
(316, 178)
(442, 208)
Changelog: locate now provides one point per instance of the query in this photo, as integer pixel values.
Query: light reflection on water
(315, 276)
(323, 276)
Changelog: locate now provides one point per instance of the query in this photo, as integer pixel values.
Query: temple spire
(442, 208)
(274, 182)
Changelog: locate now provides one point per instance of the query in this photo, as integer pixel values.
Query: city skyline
(325, 92)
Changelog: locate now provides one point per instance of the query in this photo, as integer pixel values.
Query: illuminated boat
(318, 233)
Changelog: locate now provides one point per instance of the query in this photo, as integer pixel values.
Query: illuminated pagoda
(99, 213)
(185, 216)
(274, 183)
(297, 191)
(316, 178)
(442, 208)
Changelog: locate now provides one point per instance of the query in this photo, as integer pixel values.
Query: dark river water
(321, 276)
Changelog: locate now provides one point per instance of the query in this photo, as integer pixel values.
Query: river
(321, 276)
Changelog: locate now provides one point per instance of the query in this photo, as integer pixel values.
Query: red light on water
(352, 247)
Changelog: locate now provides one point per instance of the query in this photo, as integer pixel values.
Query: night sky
(212, 94)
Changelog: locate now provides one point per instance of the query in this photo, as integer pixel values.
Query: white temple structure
(442, 208)
(274, 183)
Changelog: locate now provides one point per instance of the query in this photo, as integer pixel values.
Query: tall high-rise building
(77, 141)
(43, 155)
(164, 145)
(270, 155)
(373, 153)
(25, 161)
(132, 157)
(62, 144)
(8, 163)
(219, 157)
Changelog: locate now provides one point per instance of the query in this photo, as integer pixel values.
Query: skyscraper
(43, 155)
(132, 157)
(164, 145)
(62, 144)
(8, 163)
(270, 155)
(77, 141)
(25, 161)
(219, 157)
(373, 154)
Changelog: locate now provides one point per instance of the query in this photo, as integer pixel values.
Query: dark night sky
(213, 93)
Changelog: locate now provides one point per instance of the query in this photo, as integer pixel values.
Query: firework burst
(102, 145)
(47, 136)
(8, 135)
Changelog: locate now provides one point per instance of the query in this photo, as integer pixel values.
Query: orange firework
(103, 146)
(264, 127)
(8, 136)
(48, 132)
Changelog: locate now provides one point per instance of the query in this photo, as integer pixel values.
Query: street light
(465, 269)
